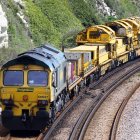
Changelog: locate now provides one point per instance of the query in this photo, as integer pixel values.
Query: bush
(41, 27)
(59, 15)
(85, 12)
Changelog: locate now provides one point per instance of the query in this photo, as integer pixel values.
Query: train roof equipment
(137, 19)
(119, 28)
(134, 24)
(46, 56)
(125, 23)
(96, 34)
(106, 27)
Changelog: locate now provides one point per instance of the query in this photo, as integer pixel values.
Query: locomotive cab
(29, 88)
(25, 93)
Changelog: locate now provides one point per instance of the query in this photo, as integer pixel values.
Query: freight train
(35, 85)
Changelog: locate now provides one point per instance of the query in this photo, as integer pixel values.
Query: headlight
(42, 103)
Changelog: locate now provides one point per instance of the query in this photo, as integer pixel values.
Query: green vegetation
(57, 14)
(18, 39)
(56, 22)
(42, 28)
(7, 54)
(17, 35)
(85, 11)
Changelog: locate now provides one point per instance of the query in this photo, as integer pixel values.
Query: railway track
(6, 137)
(83, 122)
(47, 134)
(119, 114)
(3, 133)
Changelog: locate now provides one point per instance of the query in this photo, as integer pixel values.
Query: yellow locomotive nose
(25, 97)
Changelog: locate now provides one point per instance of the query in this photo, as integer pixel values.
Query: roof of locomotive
(46, 56)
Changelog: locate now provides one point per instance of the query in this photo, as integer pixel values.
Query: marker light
(42, 103)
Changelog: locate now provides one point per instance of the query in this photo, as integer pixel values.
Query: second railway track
(119, 113)
(83, 123)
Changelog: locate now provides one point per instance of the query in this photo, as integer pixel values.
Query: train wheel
(91, 78)
(71, 94)
(114, 64)
(66, 96)
(97, 75)
(87, 81)
(62, 101)
(79, 88)
(82, 84)
(53, 115)
(117, 63)
(109, 68)
(134, 54)
(129, 57)
(76, 90)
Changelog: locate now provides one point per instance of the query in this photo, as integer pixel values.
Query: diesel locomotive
(35, 85)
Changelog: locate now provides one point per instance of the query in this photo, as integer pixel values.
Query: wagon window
(94, 34)
(13, 78)
(37, 78)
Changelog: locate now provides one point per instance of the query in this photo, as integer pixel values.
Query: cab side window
(64, 74)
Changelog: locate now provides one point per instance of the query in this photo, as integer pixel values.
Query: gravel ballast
(129, 124)
(65, 127)
(99, 128)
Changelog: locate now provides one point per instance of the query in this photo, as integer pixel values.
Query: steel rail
(50, 130)
(117, 117)
(79, 130)
(8, 137)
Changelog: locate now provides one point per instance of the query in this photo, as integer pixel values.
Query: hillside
(34, 22)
